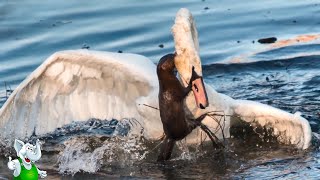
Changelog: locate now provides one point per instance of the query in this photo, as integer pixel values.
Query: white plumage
(80, 85)
(75, 86)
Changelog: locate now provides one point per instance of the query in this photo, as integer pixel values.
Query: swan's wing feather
(76, 86)
(288, 128)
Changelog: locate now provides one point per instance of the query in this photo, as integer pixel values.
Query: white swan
(79, 85)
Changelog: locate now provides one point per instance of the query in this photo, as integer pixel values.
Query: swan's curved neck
(186, 46)
(187, 59)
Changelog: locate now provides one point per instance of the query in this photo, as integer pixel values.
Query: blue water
(32, 30)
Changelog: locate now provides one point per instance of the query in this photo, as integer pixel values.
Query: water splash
(88, 153)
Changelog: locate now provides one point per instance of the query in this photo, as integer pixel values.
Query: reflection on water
(284, 75)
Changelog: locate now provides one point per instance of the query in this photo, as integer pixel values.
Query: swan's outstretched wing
(76, 86)
(288, 128)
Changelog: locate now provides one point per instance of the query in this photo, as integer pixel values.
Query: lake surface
(284, 75)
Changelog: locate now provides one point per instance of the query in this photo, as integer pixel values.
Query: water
(285, 77)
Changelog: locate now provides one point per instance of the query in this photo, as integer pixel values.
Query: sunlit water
(287, 77)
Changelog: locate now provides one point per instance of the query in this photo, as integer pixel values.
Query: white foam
(88, 154)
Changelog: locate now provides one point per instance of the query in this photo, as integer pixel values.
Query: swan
(77, 85)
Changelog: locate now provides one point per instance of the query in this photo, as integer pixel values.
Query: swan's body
(80, 85)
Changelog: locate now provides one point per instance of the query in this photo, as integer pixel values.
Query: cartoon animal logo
(24, 167)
